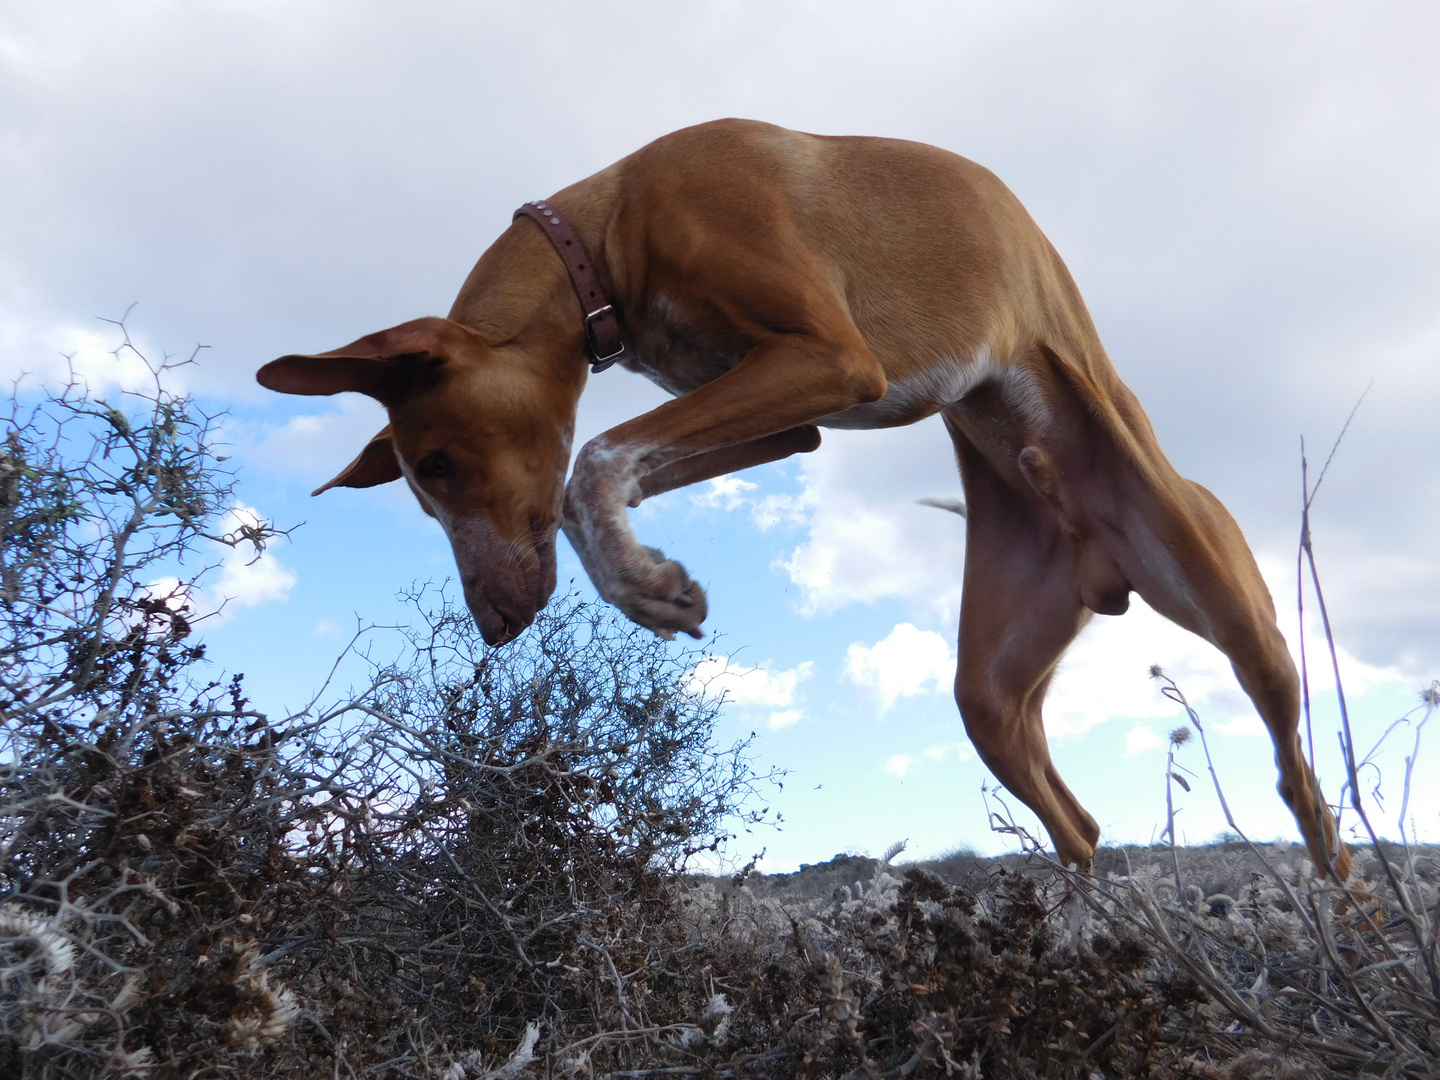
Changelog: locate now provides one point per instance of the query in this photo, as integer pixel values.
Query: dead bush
(415, 880)
(473, 865)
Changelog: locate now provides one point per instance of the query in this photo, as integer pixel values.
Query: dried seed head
(274, 1012)
(52, 947)
(1180, 736)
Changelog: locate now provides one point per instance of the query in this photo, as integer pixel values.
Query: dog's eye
(434, 466)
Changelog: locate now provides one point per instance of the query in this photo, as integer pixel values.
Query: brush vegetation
(475, 864)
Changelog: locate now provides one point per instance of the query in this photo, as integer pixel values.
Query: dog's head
(482, 439)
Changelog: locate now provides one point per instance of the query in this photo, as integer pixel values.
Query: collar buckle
(599, 362)
(604, 332)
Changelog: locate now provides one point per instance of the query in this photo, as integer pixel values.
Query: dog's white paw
(652, 590)
(657, 593)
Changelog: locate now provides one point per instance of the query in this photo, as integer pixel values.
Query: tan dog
(774, 281)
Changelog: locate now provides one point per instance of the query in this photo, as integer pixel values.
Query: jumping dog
(775, 283)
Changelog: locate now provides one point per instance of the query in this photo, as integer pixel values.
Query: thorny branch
(472, 864)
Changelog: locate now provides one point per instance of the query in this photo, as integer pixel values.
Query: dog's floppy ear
(375, 465)
(387, 366)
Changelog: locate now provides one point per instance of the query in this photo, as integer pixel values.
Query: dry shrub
(415, 880)
(1338, 979)
(473, 865)
(918, 977)
(1031, 969)
(1324, 980)
(1300, 976)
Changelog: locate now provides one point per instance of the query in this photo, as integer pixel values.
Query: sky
(1245, 194)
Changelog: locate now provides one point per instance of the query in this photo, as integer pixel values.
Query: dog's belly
(679, 355)
(910, 397)
(917, 394)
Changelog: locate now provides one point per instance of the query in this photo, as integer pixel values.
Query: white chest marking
(944, 383)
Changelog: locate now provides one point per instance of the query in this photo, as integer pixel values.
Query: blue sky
(1244, 193)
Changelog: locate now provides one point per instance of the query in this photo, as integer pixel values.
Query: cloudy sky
(1245, 193)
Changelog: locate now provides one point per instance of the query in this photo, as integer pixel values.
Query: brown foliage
(473, 866)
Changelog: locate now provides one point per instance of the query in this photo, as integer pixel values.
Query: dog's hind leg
(1020, 609)
(1187, 558)
(1137, 524)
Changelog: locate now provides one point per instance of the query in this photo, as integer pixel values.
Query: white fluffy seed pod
(473, 1063)
(52, 947)
(276, 1010)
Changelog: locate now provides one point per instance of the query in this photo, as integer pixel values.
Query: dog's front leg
(784, 382)
(654, 591)
(727, 459)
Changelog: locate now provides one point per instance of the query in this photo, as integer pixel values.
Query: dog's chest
(678, 349)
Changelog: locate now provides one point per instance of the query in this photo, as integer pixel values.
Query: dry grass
(473, 866)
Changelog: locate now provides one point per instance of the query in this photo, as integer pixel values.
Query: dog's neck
(520, 300)
(517, 290)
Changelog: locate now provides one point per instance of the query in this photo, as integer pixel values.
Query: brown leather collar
(604, 333)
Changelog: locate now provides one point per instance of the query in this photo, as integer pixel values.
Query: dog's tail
(944, 502)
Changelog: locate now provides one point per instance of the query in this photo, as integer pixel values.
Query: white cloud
(773, 510)
(906, 662)
(311, 447)
(750, 685)
(785, 717)
(97, 356)
(902, 764)
(899, 764)
(730, 493)
(248, 580)
(755, 687)
(1105, 673)
(847, 559)
(240, 579)
(961, 751)
(724, 493)
(1140, 740)
(867, 539)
